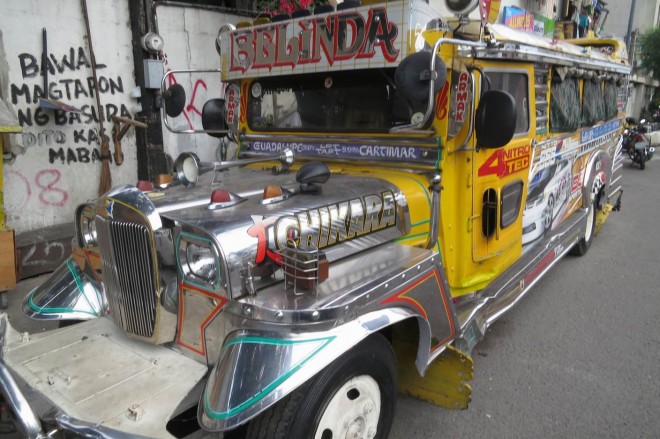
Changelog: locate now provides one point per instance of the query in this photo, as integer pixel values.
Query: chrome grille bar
(128, 274)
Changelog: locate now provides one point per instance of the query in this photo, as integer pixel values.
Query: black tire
(642, 162)
(65, 323)
(298, 415)
(581, 248)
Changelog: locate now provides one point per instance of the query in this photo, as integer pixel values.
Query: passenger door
(500, 175)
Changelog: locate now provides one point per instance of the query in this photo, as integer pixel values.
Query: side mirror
(413, 74)
(416, 82)
(174, 100)
(495, 119)
(214, 117)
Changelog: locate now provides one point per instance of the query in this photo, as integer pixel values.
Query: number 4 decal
(506, 161)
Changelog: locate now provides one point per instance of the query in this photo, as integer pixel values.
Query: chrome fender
(596, 177)
(257, 369)
(68, 294)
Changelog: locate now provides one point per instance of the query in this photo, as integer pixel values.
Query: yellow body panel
(445, 382)
(472, 259)
(473, 254)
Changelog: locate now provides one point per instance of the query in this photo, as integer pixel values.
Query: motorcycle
(635, 144)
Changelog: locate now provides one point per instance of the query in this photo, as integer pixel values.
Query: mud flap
(445, 382)
(601, 217)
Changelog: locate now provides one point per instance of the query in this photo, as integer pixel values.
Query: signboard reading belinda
(362, 37)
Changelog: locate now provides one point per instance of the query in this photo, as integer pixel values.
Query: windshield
(355, 101)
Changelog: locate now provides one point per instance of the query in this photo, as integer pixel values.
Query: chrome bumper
(92, 380)
(13, 394)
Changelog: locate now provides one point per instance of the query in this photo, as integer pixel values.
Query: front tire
(355, 396)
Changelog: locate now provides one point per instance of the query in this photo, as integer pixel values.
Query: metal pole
(631, 18)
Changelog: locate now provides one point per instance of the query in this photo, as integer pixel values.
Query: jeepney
(403, 181)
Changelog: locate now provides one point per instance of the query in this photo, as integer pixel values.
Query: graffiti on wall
(191, 108)
(46, 187)
(70, 137)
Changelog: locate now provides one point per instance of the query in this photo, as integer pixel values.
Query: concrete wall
(189, 34)
(644, 16)
(57, 163)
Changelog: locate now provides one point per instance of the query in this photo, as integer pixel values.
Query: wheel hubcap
(352, 412)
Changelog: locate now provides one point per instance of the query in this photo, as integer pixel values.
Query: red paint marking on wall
(26, 182)
(191, 107)
(46, 180)
(50, 195)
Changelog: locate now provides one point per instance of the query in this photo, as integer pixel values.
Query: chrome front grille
(128, 274)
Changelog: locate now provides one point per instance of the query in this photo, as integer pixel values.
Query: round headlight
(88, 231)
(202, 262)
(187, 168)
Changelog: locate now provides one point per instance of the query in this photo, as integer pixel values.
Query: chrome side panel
(614, 186)
(67, 294)
(272, 365)
(286, 339)
(603, 169)
(476, 314)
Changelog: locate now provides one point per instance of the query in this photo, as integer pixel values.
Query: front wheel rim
(352, 412)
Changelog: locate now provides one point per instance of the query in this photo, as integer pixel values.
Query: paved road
(579, 357)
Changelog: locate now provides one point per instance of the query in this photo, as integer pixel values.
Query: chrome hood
(349, 214)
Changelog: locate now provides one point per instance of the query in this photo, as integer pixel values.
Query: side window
(489, 213)
(517, 84)
(510, 204)
(541, 98)
(610, 99)
(564, 104)
(593, 104)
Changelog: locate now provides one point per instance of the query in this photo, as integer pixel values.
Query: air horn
(188, 167)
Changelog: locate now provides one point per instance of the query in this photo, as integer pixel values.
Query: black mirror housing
(495, 119)
(214, 117)
(413, 74)
(175, 100)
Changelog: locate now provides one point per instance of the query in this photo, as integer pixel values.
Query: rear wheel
(581, 248)
(642, 161)
(355, 396)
